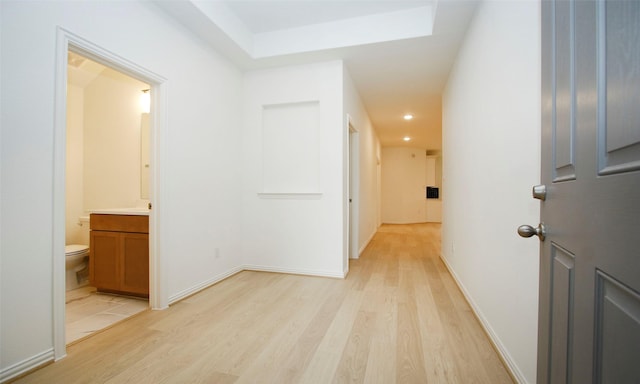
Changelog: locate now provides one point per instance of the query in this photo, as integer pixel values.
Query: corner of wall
(367, 189)
(491, 259)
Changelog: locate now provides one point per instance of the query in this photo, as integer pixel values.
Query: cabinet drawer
(119, 223)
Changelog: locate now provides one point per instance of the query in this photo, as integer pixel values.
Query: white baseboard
(249, 267)
(495, 340)
(294, 271)
(26, 365)
(205, 284)
(366, 243)
(411, 222)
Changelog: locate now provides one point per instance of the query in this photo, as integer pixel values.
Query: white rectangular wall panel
(290, 148)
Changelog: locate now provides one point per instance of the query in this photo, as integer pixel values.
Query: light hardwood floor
(397, 318)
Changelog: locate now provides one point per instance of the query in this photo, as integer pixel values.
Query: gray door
(589, 314)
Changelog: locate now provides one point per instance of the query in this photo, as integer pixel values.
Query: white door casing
(67, 41)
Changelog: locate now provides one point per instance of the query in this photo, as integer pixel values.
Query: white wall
(74, 168)
(200, 181)
(434, 179)
(491, 154)
(369, 154)
(439, 174)
(404, 178)
(112, 122)
(103, 147)
(291, 230)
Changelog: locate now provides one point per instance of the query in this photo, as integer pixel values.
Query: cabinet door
(134, 263)
(104, 268)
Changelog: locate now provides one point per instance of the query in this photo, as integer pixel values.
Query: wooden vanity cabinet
(119, 260)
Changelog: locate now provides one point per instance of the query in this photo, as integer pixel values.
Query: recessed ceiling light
(408, 116)
(406, 138)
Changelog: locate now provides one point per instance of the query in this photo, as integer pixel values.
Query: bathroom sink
(122, 211)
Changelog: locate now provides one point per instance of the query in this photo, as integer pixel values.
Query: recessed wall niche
(291, 148)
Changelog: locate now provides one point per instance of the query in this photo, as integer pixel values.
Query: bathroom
(107, 168)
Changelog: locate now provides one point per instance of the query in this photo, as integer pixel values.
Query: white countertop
(122, 211)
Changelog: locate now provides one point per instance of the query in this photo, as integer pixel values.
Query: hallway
(398, 317)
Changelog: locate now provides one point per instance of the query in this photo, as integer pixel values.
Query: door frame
(68, 41)
(353, 188)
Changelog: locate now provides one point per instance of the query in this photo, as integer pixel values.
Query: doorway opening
(69, 47)
(107, 170)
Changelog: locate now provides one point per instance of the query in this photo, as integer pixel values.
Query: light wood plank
(353, 364)
(397, 318)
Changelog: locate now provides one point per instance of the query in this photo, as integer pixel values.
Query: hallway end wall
(491, 159)
(404, 179)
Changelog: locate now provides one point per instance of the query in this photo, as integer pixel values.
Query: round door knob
(528, 231)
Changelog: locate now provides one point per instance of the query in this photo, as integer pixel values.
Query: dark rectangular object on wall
(433, 192)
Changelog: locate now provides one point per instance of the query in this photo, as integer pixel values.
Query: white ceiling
(399, 68)
(273, 15)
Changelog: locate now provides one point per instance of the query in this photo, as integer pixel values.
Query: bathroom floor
(89, 311)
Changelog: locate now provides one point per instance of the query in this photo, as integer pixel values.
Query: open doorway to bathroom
(107, 174)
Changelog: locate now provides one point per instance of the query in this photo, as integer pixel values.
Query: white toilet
(77, 259)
